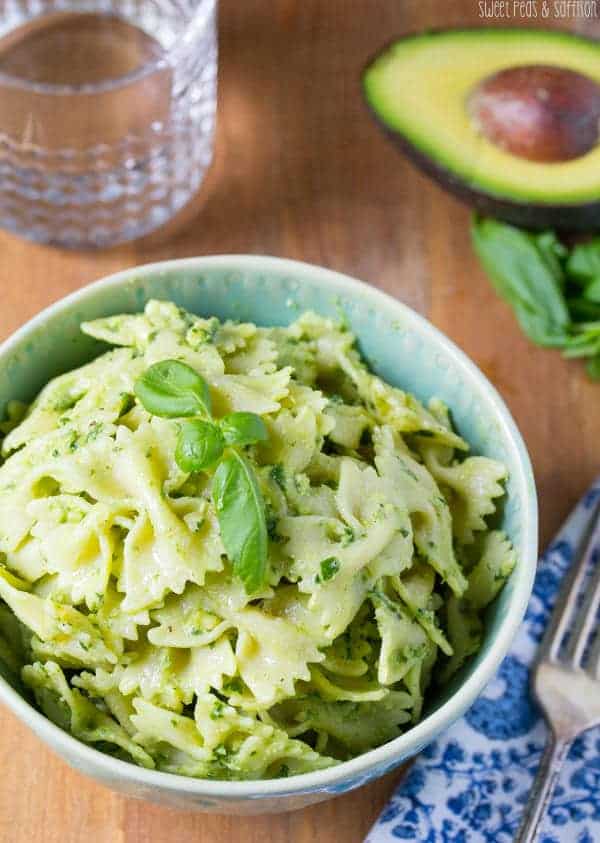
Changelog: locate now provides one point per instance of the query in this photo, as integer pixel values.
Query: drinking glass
(107, 115)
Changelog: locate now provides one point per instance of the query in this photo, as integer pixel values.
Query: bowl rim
(417, 736)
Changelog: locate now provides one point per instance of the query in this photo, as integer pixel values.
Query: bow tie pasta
(122, 612)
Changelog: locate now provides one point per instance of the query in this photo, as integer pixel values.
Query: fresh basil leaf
(552, 251)
(241, 512)
(243, 429)
(526, 271)
(584, 343)
(199, 445)
(172, 389)
(583, 263)
(591, 290)
(582, 347)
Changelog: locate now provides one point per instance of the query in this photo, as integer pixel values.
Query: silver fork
(566, 678)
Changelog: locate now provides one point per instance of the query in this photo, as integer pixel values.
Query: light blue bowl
(404, 349)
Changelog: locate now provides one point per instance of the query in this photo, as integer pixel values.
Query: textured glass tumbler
(107, 115)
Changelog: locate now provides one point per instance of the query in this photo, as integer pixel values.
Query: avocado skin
(535, 216)
(585, 217)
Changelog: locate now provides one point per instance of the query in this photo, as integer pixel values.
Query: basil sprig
(554, 291)
(172, 389)
(525, 271)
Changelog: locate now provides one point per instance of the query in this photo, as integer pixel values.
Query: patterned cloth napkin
(470, 785)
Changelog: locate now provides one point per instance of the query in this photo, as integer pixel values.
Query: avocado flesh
(418, 88)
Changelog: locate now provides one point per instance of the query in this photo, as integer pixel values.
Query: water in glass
(107, 113)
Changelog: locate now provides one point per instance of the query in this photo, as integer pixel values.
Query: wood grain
(301, 172)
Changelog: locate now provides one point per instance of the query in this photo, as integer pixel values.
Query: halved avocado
(506, 119)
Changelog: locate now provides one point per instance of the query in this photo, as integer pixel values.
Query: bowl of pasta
(264, 532)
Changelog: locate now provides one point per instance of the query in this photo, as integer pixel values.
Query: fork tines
(572, 635)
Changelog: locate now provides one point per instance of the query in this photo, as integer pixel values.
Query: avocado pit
(538, 112)
(490, 117)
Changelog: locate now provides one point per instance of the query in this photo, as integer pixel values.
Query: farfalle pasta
(123, 610)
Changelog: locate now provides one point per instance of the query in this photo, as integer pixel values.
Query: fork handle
(543, 788)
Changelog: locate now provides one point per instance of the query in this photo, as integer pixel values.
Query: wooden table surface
(301, 172)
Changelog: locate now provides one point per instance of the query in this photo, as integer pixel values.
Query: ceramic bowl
(400, 346)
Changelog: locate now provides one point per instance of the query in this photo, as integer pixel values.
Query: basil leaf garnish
(199, 445)
(241, 513)
(172, 389)
(243, 429)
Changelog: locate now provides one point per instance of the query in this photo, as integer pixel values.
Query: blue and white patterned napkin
(470, 785)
